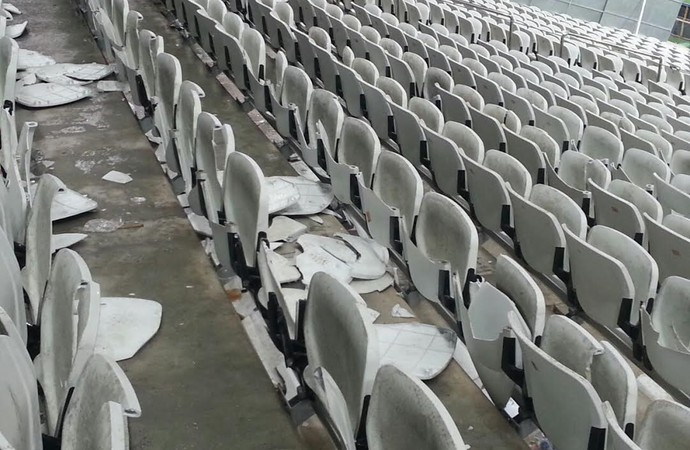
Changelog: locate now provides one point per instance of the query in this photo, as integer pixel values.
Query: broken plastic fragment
(30, 58)
(316, 259)
(281, 194)
(44, 95)
(102, 225)
(117, 177)
(369, 286)
(419, 349)
(313, 197)
(16, 30)
(400, 312)
(285, 229)
(282, 269)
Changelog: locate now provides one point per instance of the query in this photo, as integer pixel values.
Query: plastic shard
(117, 177)
(285, 229)
(313, 198)
(369, 286)
(281, 194)
(30, 58)
(283, 271)
(126, 324)
(419, 349)
(45, 95)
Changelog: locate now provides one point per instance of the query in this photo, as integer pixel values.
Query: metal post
(639, 19)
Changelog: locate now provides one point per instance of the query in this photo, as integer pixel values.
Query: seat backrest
(662, 146)
(445, 232)
(9, 53)
(393, 90)
(436, 78)
(466, 139)
(671, 417)
(680, 162)
(255, 48)
(511, 170)
(333, 320)
(545, 142)
(572, 122)
(359, 146)
(399, 185)
(640, 167)
(639, 264)
(566, 211)
(102, 383)
(566, 405)
(297, 90)
(324, 108)
(470, 95)
(12, 300)
(615, 382)
(504, 116)
(405, 414)
(512, 279)
(428, 113)
(214, 142)
(168, 82)
(68, 333)
(39, 233)
(245, 201)
(418, 67)
(188, 110)
(643, 200)
(601, 144)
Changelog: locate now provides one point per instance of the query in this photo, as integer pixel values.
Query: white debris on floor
(117, 177)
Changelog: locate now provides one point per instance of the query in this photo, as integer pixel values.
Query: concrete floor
(200, 384)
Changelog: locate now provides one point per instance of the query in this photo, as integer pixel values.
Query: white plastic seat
(231, 56)
(662, 146)
(20, 423)
(664, 332)
(214, 142)
(208, 18)
(442, 242)
(324, 123)
(631, 140)
(639, 167)
(355, 160)
(333, 319)
(538, 227)
(567, 406)
(9, 51)
(553, 125)
(546, 144)
(245, 203)
(574, 170)
(405, 414)
(680, 162)
(96, 415)
(291, 113)
(394, 198)
(12, 301)
(68, 333)
(38, 244)
(621, 207)
(485, 319)
(180, 159)
(661, 414)
(631, 277)
(280, 23)
(434, 80)
(534, 98)
(447, 156)
(528, 153)
(168, 82)
(572, 121)
(598, 143)
(672, 198)
(487, 185)
(504, 116)
(410, 125)
(669, 243)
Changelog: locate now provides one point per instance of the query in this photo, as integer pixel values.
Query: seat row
(300, 87)
(367, 143)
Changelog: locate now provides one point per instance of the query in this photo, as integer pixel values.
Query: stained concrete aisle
(200, 384)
